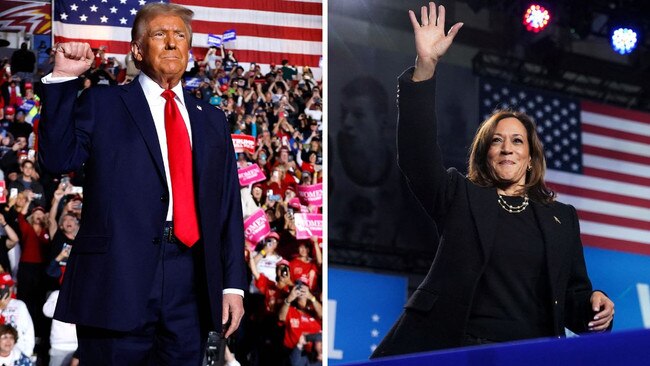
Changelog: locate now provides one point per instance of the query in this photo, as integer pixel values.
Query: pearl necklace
(510, 208)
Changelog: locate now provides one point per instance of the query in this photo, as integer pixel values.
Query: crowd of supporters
(40, 213)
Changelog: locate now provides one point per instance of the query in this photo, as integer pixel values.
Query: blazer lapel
(197, 121)
(552, 228)
(484, 209)
(137, 105)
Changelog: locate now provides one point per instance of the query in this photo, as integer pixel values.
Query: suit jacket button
(164, 198)
(156, 241)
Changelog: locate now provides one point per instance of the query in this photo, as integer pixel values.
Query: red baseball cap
(10, 110)
(6, 280)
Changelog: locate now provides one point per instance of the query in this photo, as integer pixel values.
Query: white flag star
(64, 16)
(104, 1)
(93, 8)
(375, 318)
(133, 11)
(373, 347)
(374, 333)
(103, 19)
(142, 2)
(83, 17)
(122, 20)
(113, 10)
(122, 1)
(74, 7)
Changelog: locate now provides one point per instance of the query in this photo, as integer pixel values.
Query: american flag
(597, 157)
(267, 31)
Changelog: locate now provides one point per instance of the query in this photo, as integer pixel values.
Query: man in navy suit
(158, 260)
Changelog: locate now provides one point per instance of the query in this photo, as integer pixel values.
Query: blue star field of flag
(557, 118)
(116, 13)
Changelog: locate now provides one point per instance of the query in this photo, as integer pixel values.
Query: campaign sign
(229, 35)
(308, 225)
(214, 40)
(256, 228)
(192, 83)
(250, 174)
(243, 143)
(3, 196)
(355, 330)
(311, 195)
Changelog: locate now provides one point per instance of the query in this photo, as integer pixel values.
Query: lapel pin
(199, 107)
(558, 220)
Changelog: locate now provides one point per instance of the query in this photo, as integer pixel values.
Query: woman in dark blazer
(509, 264)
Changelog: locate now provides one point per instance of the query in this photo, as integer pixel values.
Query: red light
(536, 18)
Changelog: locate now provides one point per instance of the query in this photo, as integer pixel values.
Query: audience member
(10, 354)
(14, 312)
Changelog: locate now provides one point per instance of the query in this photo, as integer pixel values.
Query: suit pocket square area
(199, 107)
(557, 220)
(421, 300)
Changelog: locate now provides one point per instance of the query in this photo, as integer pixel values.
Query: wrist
(424, 69)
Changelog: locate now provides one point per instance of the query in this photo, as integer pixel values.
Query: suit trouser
(174, 324)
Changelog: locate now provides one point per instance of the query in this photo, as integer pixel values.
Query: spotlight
(624, 40)
(536, 18)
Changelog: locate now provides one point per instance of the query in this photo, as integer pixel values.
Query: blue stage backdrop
(626, 279)
(362, 308)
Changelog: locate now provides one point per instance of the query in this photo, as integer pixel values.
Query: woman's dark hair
(8, 329)
(479, 171)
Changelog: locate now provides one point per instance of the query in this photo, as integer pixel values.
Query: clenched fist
(72, 59)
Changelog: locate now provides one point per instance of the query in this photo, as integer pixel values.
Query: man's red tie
(179, 151)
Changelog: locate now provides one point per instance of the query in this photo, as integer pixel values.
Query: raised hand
(431, 43)
(72, 59)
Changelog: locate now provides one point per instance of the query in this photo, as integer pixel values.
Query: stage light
(536, 18)
(624, 40)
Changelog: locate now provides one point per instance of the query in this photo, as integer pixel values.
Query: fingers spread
(432, 13)
(414, 20)
(441, 16)
(424, 18)
(453, 31)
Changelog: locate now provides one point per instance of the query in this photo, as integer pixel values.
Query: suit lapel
(552, 227)
(136, 103)
(484, 209)
(197, 121)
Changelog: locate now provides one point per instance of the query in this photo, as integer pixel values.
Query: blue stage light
(624, 40)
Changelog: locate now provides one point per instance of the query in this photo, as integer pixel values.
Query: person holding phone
(8, 241)
(301, 313)
(267, 258)
(27, 181)
(63, 231)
